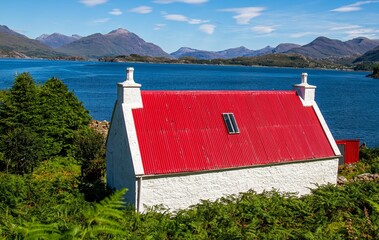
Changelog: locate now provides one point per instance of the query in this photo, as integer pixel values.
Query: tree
(22, 150)
(61, 115)
(89, 150)
(46, 115)
(19, 104)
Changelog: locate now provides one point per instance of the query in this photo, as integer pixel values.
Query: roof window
(231, 123)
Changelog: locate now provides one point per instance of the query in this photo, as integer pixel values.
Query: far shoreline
(184, 63)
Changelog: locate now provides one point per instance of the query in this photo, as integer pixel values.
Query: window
(231, 123)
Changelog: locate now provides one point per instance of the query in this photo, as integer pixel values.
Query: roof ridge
(218, 91)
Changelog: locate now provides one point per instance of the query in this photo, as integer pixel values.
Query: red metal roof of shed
(184, 131)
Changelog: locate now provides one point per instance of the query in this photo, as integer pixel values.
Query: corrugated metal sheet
(184, 131)
(351, 150)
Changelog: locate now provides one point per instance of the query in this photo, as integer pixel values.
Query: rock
(100, 126)
(341, 180)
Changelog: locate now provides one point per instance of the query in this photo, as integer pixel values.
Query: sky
(211, 25)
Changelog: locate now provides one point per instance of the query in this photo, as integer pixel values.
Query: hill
(117, 42)
(285, 47)
(370, 56)
(56, 40)
(15, 44)
(231, 52)
(323, 47)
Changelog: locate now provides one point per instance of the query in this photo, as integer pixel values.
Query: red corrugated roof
(184, 131)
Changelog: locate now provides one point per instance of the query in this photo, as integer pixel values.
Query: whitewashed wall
(120, 169)
(181, 191)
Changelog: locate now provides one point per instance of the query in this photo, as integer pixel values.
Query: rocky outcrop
(365, 177)
(100, 126)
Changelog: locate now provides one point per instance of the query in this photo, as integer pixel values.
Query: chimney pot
(304, 77)
(305, 91)
(128, 92)
(129, 74)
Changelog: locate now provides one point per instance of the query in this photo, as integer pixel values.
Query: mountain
(56, 40)
(195, 53)
(224, 54)
(260, 52)
(370, 56)
(285, 47)
(362, 45)
(323, 47)
(235, 52)
(117, 42)
(13, 44)
(232, 52)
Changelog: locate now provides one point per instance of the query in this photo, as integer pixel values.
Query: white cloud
(159, 26)
(182, 1)
(101, 20)
(244, 15)
(353, 7)
(91, 3)
(354, 31)
(115, 12)
(141, 10)
(303, 34)
(346, 27)
(182, 18)
(263, 29)
(362, 32)
(207, 28)
(176, 17)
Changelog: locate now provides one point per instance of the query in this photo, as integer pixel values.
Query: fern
(103, 219)
(374, 205)
(38, 231)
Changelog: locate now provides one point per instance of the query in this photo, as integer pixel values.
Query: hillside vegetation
(269, 60)
(14, 44)
(52, 186)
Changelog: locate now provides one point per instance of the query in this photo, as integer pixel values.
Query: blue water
(348, 100)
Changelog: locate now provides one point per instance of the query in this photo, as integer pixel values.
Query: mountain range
(17, 45)
(123, 42)
(57, 40)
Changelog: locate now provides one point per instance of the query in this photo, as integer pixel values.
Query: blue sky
(201, 24)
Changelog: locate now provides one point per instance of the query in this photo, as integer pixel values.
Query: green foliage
(368, 163)
(277, 60)
(37, 122)
(19, 104)
(375, 71)
(61, 115)
(102, 220)
(89, 150)
(364, 66)
(22, 149)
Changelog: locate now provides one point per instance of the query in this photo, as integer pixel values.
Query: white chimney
(305, 91)
(128, 92)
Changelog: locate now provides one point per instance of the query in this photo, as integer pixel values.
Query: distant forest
(269, 60)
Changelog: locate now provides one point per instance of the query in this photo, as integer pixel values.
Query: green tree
(89, 150)
(18, 106)
(47, 115)
(61, 114)
(22, 150)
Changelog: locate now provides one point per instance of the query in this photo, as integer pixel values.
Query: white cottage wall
(181, 191)
(120, 169)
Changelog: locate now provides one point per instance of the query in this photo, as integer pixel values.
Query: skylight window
(231, 123)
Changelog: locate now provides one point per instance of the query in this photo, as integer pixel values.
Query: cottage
(177, 147)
